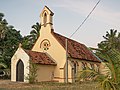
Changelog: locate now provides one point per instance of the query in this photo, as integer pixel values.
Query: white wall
(19, 55)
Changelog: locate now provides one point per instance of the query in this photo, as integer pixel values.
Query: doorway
(20, 71)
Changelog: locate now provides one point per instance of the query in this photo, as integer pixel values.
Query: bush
(33, 73)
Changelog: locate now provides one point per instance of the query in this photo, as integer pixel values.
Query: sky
(68, 15)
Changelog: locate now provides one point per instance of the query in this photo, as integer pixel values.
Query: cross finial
(20, 45)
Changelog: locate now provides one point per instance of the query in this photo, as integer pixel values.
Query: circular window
(45, 44)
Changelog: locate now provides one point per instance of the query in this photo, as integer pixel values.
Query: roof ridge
(69, 38)
(33, 51)
(75, 49)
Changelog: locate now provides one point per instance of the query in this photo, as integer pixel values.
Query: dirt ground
(9, 84)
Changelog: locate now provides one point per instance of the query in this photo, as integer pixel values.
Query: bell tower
(46, 17)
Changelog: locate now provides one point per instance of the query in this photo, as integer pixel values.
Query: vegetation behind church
(109, 52)
(10, 39)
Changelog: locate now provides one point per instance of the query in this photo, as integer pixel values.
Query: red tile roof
(40, 58)
(76, 50)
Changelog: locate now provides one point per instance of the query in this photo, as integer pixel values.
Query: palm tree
(111, 40)
(2, 65)
(3, 26)
(110, 80)
(34, 34)
(113, 63)
(29, 40)
(109, 51)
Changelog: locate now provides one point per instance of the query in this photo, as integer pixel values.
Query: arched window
(83, 65)
(92, 66)
(75, 68)
(45, 19)
(98, 66)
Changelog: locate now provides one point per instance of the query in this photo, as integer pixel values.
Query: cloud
(107, 16)
(103, 12)
(81, 7)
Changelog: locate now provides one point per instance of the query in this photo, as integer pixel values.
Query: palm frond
(108, 84)
(2, 65)
(87, 74)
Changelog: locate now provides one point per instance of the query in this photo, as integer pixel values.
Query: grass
(51, 86)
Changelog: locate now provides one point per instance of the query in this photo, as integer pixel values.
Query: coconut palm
(3, 26)
(29, 40)
(2, 65)
(34, 34)
(113, 63)
(112, 40)
(111, 80)
(109, 51)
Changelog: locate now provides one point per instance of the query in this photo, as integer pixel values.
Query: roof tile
(76, 49)
(40, 58)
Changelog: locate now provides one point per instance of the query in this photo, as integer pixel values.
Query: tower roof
(47, 9)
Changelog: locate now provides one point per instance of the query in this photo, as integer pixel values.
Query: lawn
(49, 86)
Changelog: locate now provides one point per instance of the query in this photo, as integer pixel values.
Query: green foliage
(26, 42)
(2, 65)
(9, 45)
(107, 84)
(87, 74)
(9, 40)
(32, 72)
(29, 40)
(3, 26)
(109, 51)
(35, 32)
(112, 40)
(112, 80)
(114, 64)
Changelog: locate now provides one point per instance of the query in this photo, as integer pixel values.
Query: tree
(32, 72)
(29, 40)
(2, 65)
(112, 40)
(26, 43)
(10, 38)
(112, 58)
(35, 32)
(9, 45)
(110, 80)
(109, 51)
(3, 26)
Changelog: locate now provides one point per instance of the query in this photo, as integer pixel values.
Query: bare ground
(9, 84)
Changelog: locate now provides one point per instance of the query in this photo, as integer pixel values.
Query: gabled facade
(50, 48)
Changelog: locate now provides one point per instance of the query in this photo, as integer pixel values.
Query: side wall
(79, 67)
(45, 73)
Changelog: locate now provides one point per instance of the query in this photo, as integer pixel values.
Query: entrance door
(20, 71)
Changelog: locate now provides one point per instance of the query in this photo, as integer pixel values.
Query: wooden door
(20, 71)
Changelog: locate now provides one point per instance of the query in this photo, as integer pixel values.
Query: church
(49, 53)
